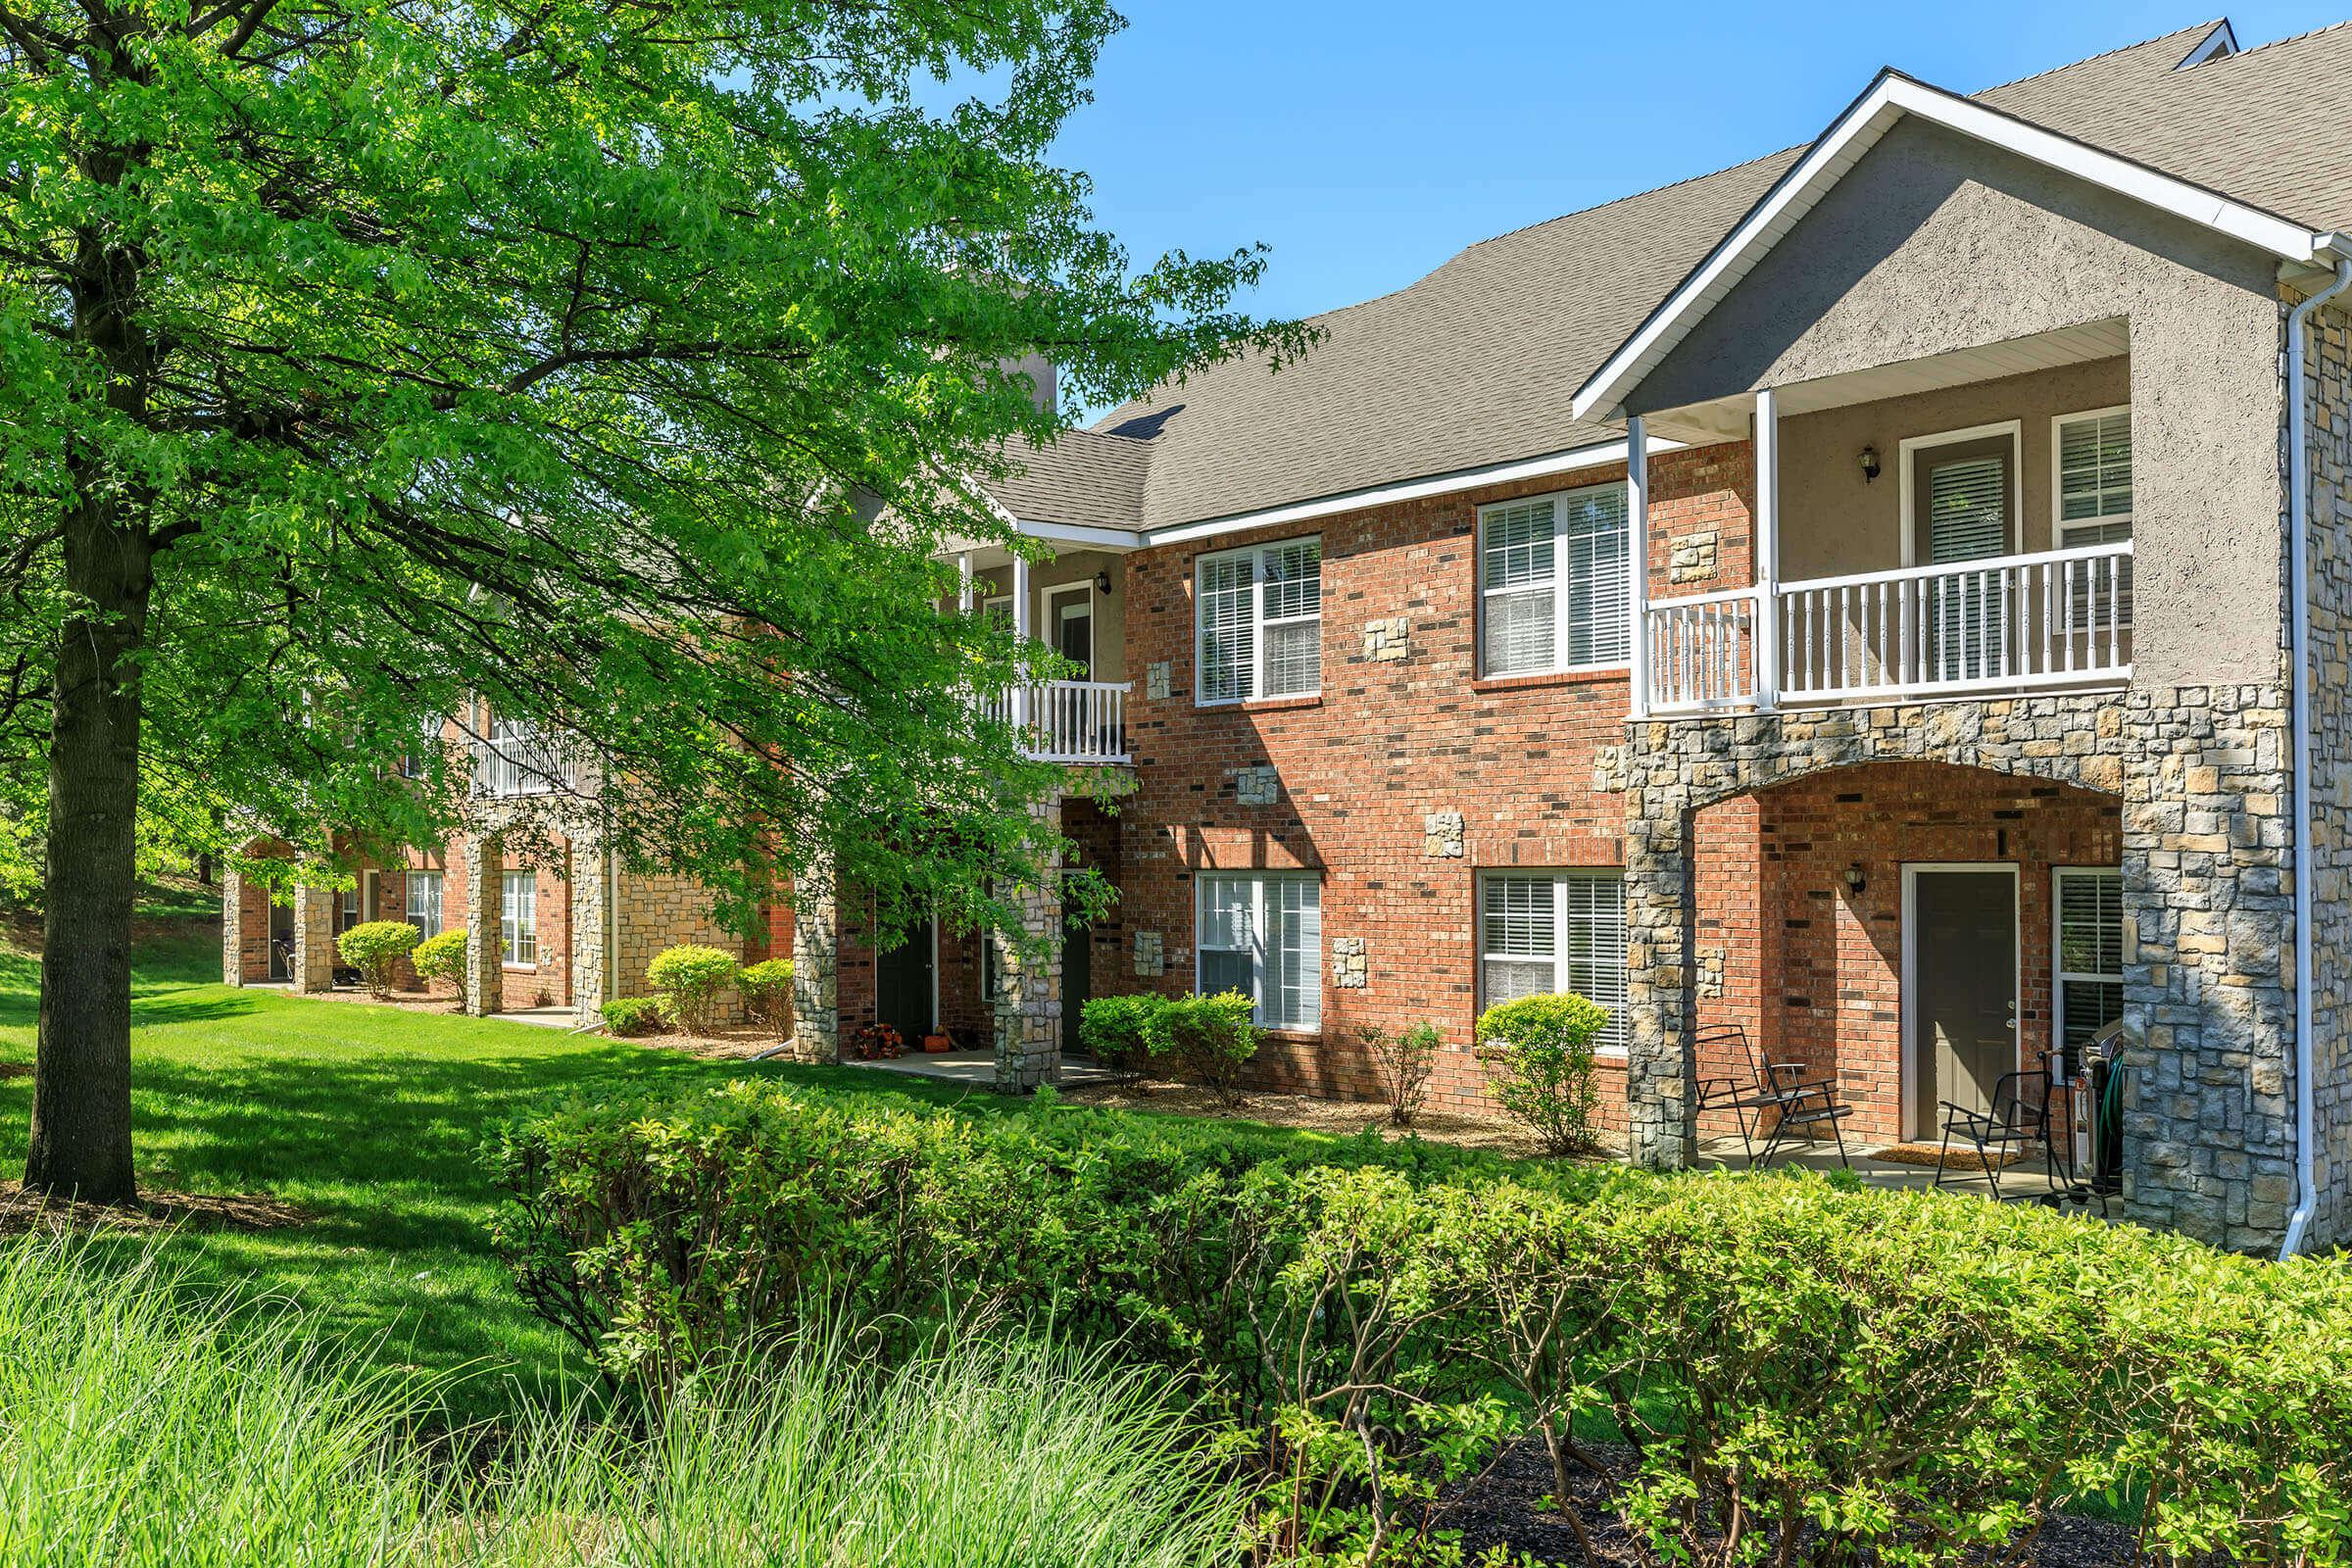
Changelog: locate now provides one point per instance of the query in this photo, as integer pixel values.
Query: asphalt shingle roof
(1477, 363)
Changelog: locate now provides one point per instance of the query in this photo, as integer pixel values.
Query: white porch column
(1768, 551)
(1636, 513)
(1023, 629)
(963, 583)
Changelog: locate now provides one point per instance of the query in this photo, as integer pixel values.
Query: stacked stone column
(815, 957)
(587, 917)
(1661, 1089)
(485, 972)
(232, 929)
(1028, 1021)
(313, 938)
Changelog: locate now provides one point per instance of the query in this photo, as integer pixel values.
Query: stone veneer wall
(2202, 774)
(1028, 1023)
(2328, 381)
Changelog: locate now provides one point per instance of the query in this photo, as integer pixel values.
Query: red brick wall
(1385, 743)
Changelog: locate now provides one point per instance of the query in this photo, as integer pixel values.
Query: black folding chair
(2017, 1119)
(1797, 1106)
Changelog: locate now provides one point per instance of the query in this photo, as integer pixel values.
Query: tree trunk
(82, 1076)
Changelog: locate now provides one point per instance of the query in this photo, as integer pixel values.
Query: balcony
(2007, 623)
(520, 764)
(1075, 722)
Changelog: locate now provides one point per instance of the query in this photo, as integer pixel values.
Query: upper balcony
(1969, 535)
(1074, 605)
(518, 761)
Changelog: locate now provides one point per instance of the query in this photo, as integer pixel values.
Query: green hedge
(1917, 1376)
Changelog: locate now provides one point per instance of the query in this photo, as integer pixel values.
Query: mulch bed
(1509, 1505)
(158, 1209)
(1342, 1118)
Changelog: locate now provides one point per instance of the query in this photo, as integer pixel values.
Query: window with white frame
(423, 892)
(1259, 619)
(347, 909)
(1553, 587)
(518, 917)
(1261, 934)
(2091, 952)
(2093, 497)
(1553, 932)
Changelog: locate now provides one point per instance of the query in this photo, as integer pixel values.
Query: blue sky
(1368, 141)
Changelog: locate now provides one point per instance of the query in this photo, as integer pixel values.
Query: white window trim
(1063, 590)
(1260, 883)
(410, 879)
(509, 918)
(2059, 973)
(1559, 585)
(2059, 527)
(1258, 624)
(1559, 877)
(1908, 453)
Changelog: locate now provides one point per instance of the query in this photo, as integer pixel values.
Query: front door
(1072, 611)
(1961, 1013)
(1963, 509)
(1077, 984)
(902, 985)
(281, 941)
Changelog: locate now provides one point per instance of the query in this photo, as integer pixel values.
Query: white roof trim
(1568, 462)
(1843, 145)
(2220, 42)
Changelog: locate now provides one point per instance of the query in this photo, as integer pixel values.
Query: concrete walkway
(2021, 1183)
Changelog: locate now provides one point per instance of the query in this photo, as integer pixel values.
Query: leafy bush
(1542, 1049)
(631, 1016)
(443, 957)
(1404, 1061)
(1124, 1031)
(690, 979)
(766, 988)
(376, 948)
(1208, 1039)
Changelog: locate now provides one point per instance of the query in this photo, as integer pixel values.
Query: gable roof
(1085, 479)
(1475, 368)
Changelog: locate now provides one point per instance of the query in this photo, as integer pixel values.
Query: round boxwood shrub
(376, 948)
(630, 1017)
(1124, 1031)
(443, 957)
(691, 978)
(1542, 1049)
(766, 988)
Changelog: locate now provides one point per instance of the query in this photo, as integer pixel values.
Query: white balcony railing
(508, 766)
(1067, 721)
(2062, 618)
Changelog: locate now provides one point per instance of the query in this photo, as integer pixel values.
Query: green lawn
(366, 1119)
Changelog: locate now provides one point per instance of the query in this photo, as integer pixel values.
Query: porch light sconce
(1103, 582)
(1870, 464)
(1855, 881)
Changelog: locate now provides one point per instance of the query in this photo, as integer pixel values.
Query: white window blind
(1555, 932)
(1259, 613)
(1262, 935)
(2091, 952)
(518, 917)
(424, 894)
(1555, 589)
(2094, 504)
(1968, 508)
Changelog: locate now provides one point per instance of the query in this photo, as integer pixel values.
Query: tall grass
(137, 1429)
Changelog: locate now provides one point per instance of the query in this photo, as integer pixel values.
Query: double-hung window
(1553, 588)
(1553, 932)
(2092, 454)
(2091, 952)
(1261, 935)
(1259, 619)
(423, 893)
(518, 917)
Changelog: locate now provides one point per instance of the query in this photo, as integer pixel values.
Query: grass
(367, 1119)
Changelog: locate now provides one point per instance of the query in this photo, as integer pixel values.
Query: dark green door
(902, 985)
(1077, 983)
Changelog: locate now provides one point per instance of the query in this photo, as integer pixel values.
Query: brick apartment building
(1854, 595)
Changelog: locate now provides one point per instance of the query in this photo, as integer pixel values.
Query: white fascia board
(2221, 42)
(1890, 98)
(1087, 537)
(1568, 462)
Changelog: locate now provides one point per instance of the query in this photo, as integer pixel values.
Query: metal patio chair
(1799, 1107)
(2017, 1119)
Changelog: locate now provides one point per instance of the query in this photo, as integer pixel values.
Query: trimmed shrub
(443, 957)
(1542, 1049)
(1208, 1039)
(631, 1016)
(376, 948)
(1124, 1031)
(690, 978)
(1404, 1060)
(766, 988)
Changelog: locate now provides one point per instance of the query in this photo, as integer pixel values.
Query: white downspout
(2298, 534)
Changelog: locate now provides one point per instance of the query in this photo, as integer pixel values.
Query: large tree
(626, 363)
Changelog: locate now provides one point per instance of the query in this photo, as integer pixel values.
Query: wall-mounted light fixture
(1102, 582)
(1855, 881)
(1870, 464)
